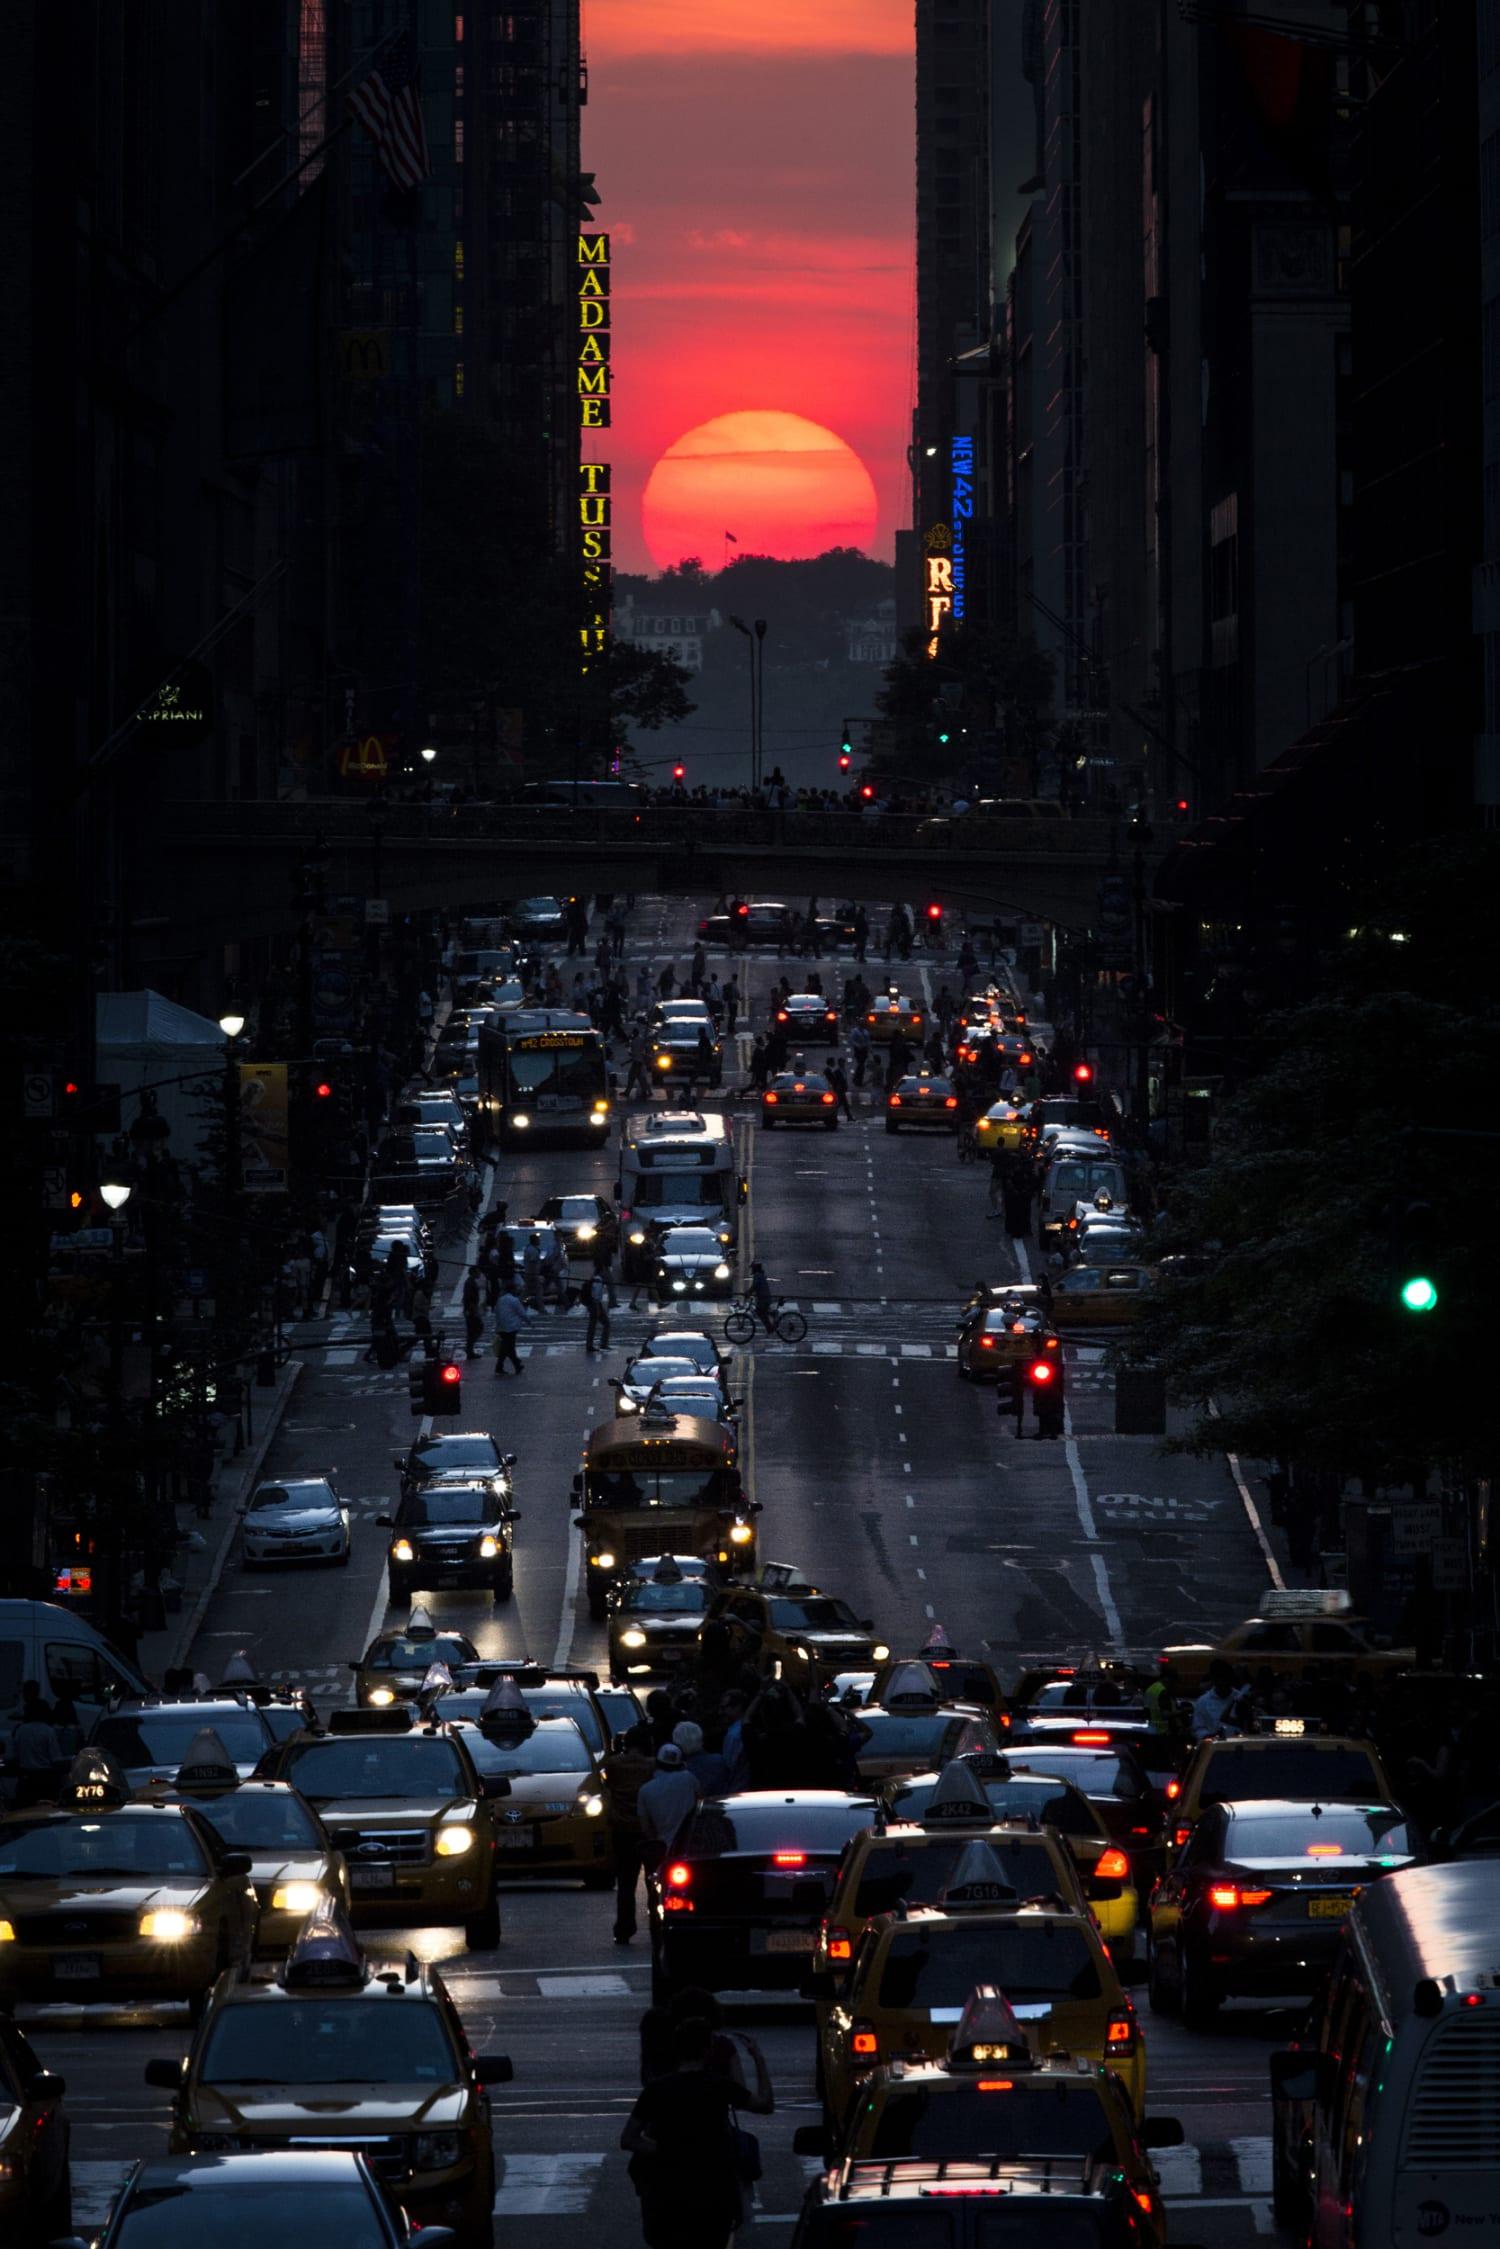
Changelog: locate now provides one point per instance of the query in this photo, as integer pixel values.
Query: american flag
(388, 103)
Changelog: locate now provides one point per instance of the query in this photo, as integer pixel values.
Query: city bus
(677, 1168)
(543, 1075)
(660, 1482)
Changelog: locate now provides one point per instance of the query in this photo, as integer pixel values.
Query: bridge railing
(340, 821)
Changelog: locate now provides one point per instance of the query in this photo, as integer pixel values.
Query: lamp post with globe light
(115, 1194)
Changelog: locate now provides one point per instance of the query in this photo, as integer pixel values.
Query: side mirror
(513, 1514)
(398, 1460)
(493, 1786)
(387, 1522)
(1161, 2131)
(46, 2086)
(576, 1487)
(354, 1662)
(811, 2139)
(578, 1522)
(235, 1862)
(867, 1624)
(507, 1460)
(493, 2069)
(168, 2075)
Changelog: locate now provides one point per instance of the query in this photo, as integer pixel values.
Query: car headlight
(591, 1806)
(168, 1924)
(680, 1287)
(603, 1561)
(637, 1239)
(634, 1638)
(401, 1550)
(601, 1108)
(380, 1697)
(488, 1548)
(629, 1405)
(585, 1233)
(664, 1062)
(721, 1272)
(740, 1534)
(7, 1933)
(452, 1842)
(880, 1651)
(296, 1897)
(520, 1122)
(436, 2151)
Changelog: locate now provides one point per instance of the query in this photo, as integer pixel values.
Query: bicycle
(784, 1321)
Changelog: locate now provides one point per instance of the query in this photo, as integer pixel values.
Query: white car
(642, 1375)
(301, 1521)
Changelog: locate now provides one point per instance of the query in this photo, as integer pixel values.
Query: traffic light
(1083, 1073)
(679, 773)
(934, 913)
(322, 1090)
(92, 1109)
(443, 1386)
(1044, 1381)
(416, 1387)
(1180, 807)
(1416, 1258)
(845, 759)
(943, 734)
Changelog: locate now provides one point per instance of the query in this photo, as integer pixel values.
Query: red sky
(754, 159)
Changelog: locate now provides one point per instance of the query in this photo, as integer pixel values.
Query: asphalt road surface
(891, 1482)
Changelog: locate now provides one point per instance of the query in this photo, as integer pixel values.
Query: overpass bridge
(229, 867)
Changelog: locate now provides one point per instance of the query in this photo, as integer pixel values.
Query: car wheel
(1288, 2200)
(343, 1559)
(1161, 1997)
(598, 1601)
(482, 1929)
(502, 1589)
(56, 2214)
(399, 1589)
(1200, 2000)
(663, 1984)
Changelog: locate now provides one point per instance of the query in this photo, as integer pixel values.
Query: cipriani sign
(961, 466)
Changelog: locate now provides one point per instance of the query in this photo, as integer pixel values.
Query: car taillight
(864, 2041)
(789, 1858)
(828, 1100)
(915, 1020)
(996, 2085)
(838, 1944)
(1174, 1790)
(894, 1102)
(1143, 2199)
(1113, 1866)
(679, 1874)
(1229, 1897)
(986, 1343)
(1093, 1737)
(1181, 1834)
(770, 1099)
(1120, 2036)
(781, 1015)
(951, 1102)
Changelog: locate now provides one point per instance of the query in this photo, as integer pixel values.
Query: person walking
(473, 1309)
(859, 1048)
(731, 1006)
(421, 1306)
(36, 1753)
(511, 1315)
(533, 1272)
(997, 1180)
(627, 1769)
(664, 1805)
(861, 933)
(685, 2149)
(638, 1078)
(597, 1303)
(558, 1278)
(838, 1078)
(698, 967)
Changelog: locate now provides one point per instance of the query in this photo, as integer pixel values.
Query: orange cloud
(759, 27)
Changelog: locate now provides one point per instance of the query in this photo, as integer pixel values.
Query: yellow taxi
(994, 2096)
(913, 1973)
(1301, 1633)
(103, 1897)
(799, 1096)
(35, 2199)
(781, 1623)
(395, 1663)
(962, 1677)
(334, 2054)
(1004, 1125)
(293, 1865)
(555, 1820)
(889, 1013)
(411, 1816)
(1289, 1760)
(1107, 1295)
(912, 1725)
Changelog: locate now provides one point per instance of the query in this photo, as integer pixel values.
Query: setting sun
(781, 484)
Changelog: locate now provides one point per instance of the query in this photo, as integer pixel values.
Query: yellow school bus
(659, 1482)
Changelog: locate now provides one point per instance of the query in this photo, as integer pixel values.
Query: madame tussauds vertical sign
(593, 331)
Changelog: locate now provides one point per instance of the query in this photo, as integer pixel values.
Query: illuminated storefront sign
(593, 331)
(961, 464)
(937, 582)
(594, 532)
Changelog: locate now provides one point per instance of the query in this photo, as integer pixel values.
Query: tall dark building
(953, 230)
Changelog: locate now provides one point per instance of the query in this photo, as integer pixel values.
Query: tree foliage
(1285, 1310)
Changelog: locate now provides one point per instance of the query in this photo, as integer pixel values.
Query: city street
(890, 1482)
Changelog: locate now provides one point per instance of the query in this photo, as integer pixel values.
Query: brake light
(839, 1945)
(1113, 1866)
(770, 1099)
(864, 2041)
(1472, 1999)
(1181, 1834)
(1229, 1897)
(894, 1102)
(986, 1343)
(951, 1102)
(828, 1100)
(1120, 2036)
(1142, 2197)
(800, 1086)
(781, 1015)
(997, 2085)
(679, 1875)
(1092, 1737)
(914, 1020)
(1325, 1850)
(1174, 1790)
(789, 1858)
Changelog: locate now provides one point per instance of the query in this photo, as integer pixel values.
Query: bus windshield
(559, 1070)
(652, 1487)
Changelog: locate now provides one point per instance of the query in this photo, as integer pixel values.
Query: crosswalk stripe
(546, 2186)
(1252, 2159)
(1180, 2170)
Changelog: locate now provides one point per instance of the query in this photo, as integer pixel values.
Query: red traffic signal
(845, 761)
(323, 1090)
(442, 1386)
(679, 773)
(1040, 1372)
(451, 1373)
(1083, 1073)
(867, 791)
(934, 912)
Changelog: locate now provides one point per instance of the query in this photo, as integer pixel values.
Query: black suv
(455, 1529)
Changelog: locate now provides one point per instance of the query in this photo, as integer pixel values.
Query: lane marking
(1252, 1513)
(1090, 1530)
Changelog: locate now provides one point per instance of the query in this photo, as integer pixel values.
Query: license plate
(77, 1967)
(372, 1877)
(1328, 1909)
(783, 1940)
(517, 1839)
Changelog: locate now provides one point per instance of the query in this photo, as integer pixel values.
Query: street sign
(1449, 1565)
(38, 1094)
(377, 911)
(1416, 1525)
(1031, 933)
(195, 1281)
(365, 759)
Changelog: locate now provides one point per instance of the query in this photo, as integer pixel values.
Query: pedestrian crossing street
(589, 2183)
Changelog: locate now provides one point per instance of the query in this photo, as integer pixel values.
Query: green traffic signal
(1419, 1294)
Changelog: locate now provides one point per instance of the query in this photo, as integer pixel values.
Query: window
(76, 1669)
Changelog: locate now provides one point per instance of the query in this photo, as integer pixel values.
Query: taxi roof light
(977, 1879)
(325, 1953)
(987, 2032)
(419, 1625)
(504, 1711)
(207, 1764)
(94, 1783)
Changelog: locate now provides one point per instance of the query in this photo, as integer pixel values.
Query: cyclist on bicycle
(760, 1296)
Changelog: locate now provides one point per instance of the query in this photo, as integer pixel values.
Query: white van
(64, 1654)
(677, 1168)
(1387, 2122)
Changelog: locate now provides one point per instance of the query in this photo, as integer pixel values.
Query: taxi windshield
(918, 1737)
(1376, 1832)
(1303, 1769)
(660, 1368)
(939, 1967)
(457, 1452)
(449, 1504)
(649, 1487)
(291, 1495)
(253, 2212)
(1026, 2119)
(163, 1738)
(389, 1766)
(115, 1844)
(691, 1596)
(551, 1749)
(250, 1820)
(1094, 1771)
(917, 1873)
(415, 1655)
(330, 2042)
(822, 1614)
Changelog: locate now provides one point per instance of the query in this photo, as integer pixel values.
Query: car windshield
(691, 1241)
(325, 2041)
(691, 1598)
(678, 1190)
(939, 1967)
(1047, 1802)
(551, 1749)
(447, 1503)
(1296, 1769)
(699, 1348)
(693, 1394)
(246, 2215)
(1071, 1181)
(113, 1843)
(457, 1452)
(293, 1496)
(163, 1738)
(402, 1654)
(253, 1819)
(918, 1738)
(1373, 1832)
(897, 1871)
(384, 1765)
(1030, 2119)
(822, 1614)
(641, 1373)
(742, 1824)
(1095, 1772)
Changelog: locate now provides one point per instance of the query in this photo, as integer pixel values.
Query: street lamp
(756, 638)
(231, 1026)
(115, 1194)
(428, 754)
